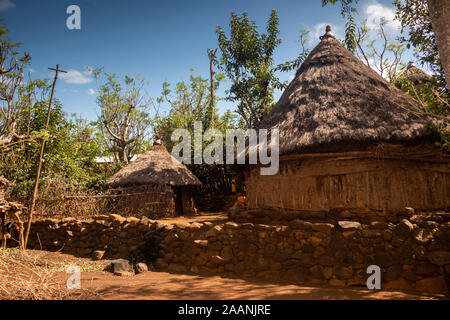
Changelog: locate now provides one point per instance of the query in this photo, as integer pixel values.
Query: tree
(439, 11)
(347, 12)
(124, 118)
(247, 60)
(415, 19)
(188, 101)
(381, 53)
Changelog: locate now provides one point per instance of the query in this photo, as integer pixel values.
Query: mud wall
(355, 184)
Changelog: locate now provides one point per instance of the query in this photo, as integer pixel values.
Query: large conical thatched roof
(336, 102)
(156, 166)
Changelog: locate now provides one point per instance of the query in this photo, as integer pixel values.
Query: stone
(160, 264)
(440, 258)
(195, 226)
(98, 255)
(327, 272)
(343, 272)
(119, 265)
(409, 210)
(213, 232)
(403, 229)
(314, 241)
(436, 284)
(141, 267)
(425, 269)
(392, 273)
(124, 274)
(175, 267)
(323, 227)
(231, 225)
(336, 283)
(399, 284)
(227, 253)
(423, 236)
(299, 224)
(218, 260)
(383, 259)
(378, 225)
(116, 217)
(349, 225)
(201, 243)
(132, 221)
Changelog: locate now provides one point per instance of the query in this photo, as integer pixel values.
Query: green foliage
(295, 64)
(189, 102)
(347, 12)
(247, 60)
(432, 104)
(124, 119)
(416, 22)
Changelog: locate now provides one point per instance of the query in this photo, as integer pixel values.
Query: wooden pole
(41, 156)
(212, 55)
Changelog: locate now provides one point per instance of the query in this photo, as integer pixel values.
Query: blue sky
(160, 40)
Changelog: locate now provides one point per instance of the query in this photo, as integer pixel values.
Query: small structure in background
(417, 77)
(347, 140)
(158, 185)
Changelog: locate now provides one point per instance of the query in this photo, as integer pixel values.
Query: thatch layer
(156, 166)
(336, 102)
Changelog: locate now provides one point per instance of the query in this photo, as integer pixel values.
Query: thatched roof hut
(336, 102)
(156, 166)
(415, 74)
(336, 120)
(152, 172)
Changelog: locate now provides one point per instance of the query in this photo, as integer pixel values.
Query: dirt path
(166, 286)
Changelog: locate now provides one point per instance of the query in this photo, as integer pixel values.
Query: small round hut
(155, 185)
(417, 76)
(347, 141)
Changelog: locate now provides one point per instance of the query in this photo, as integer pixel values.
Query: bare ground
(167, 286)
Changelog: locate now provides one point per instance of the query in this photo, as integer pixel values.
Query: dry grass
(25, 276)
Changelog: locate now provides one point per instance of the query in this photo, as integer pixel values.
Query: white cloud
(75, 77)
(6, 5)
(319, 30)
(91, 91)
(375, 12)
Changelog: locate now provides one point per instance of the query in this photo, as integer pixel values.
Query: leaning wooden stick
(41, 156)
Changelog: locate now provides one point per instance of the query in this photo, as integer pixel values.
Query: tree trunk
(440, 20)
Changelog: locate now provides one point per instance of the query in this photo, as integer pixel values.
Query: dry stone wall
(413, 254)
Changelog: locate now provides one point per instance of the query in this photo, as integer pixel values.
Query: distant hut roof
(336, 102)
(415, 74)
(156, 166)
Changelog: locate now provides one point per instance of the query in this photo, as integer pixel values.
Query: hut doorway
(178, 201)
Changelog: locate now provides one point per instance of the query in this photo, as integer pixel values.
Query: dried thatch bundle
(336, 102)
(156, 166)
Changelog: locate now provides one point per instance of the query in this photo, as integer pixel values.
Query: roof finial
(327, 33)
(157, 141)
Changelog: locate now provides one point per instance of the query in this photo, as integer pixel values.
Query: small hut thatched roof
(156, 166)
(414, 74)
(336, 102)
